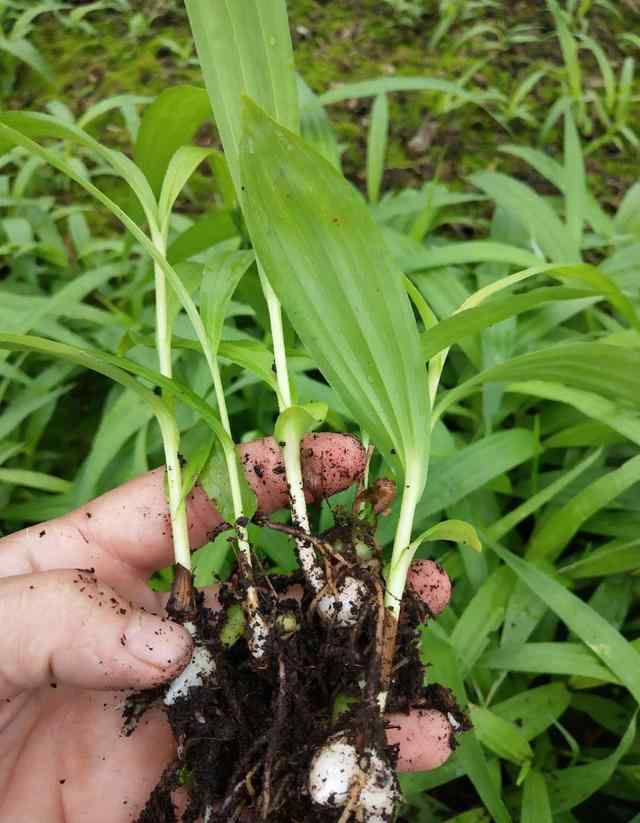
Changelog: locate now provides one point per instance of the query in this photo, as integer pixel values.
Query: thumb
(67, 627)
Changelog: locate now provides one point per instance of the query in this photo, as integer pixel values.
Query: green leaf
(608, 371)
(23, 50)
(576, 184)
(536, 807)
(558, 530)
(315, 126)
(534, 710)
(170, 122)
(457, 531)
(326, 261)
(482, 616)
(377, 145)
(214, 479)
(475, 251)
(206, 232)
(23, 128)
(500, 736)
(444, 669)
(245, 48)
(296, 421)
(181, 166)
(385, 85)
(234, 625)
(195, 464)
(222, 273)
(570, 787)
(616, 557)
(541, 498)
(34, 480)
(607, 643)
(548, 658)
(546, 230)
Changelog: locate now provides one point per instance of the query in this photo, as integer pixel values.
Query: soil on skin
(247, 737)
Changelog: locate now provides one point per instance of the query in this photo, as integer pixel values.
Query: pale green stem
(168, 427)
(291, 447)
(277, 334)
(402, 553)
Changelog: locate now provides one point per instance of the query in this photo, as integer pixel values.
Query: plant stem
(234, 478)
(277, 334)
(397, 578)
(168, 426)
(291, 447)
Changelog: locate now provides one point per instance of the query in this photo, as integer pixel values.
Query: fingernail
(157, 641)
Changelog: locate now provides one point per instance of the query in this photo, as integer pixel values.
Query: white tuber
(344, 608)
(197, 671)
(335, 770)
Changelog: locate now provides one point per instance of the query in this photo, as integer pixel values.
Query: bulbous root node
(363, 784)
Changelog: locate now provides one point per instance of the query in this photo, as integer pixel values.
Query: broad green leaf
(245, 49)
(170, 122)
(296, 421)
(546, 230)
(326, 261)
(470, 321)
(500, 736)
(34, 480)
(181, 166)
(536, 807)
(570, 787)
(609, 371)
(34, 126)
(208, 230)
(614, 414)
(557, 531)
(593, 630)
(616, 557)
(440, 657)
(475, 251)
(377, 146)
(482, 616)
(541, 498)
(56, 161)
(315, 126)
(456, 531)
(214, 479)
(534, 710)
(195, 464)
(548, 658)
(222, 273)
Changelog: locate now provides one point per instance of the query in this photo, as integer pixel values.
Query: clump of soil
(246, 737)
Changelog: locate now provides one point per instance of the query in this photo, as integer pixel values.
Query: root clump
(250, 729)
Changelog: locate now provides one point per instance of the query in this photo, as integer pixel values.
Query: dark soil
(247, 737)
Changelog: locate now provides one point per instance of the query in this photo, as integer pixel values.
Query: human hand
(73, 640)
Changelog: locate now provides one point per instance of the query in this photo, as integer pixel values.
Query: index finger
(128, 530)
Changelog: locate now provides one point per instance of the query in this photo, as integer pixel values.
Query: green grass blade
(377, 146)
(536, 807)
(607, 643)
(558, 530)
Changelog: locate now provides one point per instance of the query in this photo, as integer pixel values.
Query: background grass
(540, 414)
